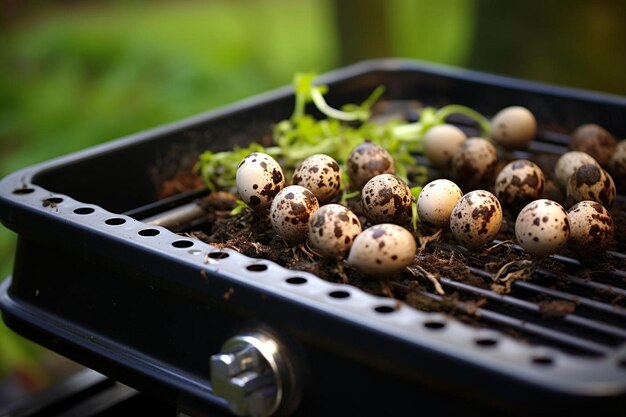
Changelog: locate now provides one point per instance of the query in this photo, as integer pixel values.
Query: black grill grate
(575, 307)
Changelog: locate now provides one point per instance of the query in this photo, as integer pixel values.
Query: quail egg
(567, 164)
(440, 142)
(476, 219)
(617, 163)
(519, 183)
(291, 211)
(259, 178)
(590, 182)
(591, 228)
(513, 127)
(594, 140)
(386, 198)
(474, 163)
(542, 227)
(382, 250)
(365, 162)
(332, 230)
(321, 175)
(436, 201)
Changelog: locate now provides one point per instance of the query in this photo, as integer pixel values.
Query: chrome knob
(253, 374)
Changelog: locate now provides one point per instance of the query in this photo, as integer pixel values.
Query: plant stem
(322, 106)
(483, 123)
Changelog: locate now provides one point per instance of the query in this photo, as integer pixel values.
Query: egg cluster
(479, 182)
(580, 191)
(307, 210)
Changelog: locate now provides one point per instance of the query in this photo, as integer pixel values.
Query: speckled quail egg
(591, 228)
(386, 198)
(617, 163)
(436, 201)
(366, 161)
(567, 164)
(519, 183)
(590, 182)
(321, 175)
(291, 211)
(474, 163)
(440, 142)
(542, 227)
(259, 178)
(513, 127)
(332, 230)
(594, 140)
(476, 219)
(382, 250)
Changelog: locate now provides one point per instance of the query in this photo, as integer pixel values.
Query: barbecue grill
(103, 276)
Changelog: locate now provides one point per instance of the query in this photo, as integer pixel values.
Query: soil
(439, 258)
(446, 277)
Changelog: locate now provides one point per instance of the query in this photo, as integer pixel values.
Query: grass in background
(79, 76)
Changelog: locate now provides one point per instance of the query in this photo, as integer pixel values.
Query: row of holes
(338, 294)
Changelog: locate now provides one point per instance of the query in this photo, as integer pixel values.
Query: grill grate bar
(582, 282)
(532, 307)
(523, 326)
(545, 147)
(579, 281)
(551, 136)
(584, 301)
(559, 294)
(587, 283)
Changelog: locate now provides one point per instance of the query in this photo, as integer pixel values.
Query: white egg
(259, 178)
(595, 140)
(386, 198)
(474, 163)
(321, 175)
(590, 182)
(476, 219)
(542, 227)
(513, 127)
(567, 164)
(332, 230)
(440, 142)
(366, 161)
(591, 228)
(291, 211)
(436, 202)
(519, 183)
(382, 250)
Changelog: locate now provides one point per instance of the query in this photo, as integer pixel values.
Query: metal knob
(253, 374)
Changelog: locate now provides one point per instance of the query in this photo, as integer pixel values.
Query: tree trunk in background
(362, 29)
(565, 42)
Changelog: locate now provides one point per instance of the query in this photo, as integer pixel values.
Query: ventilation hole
(115, 221)
(543, 360)
(434, 325)
(339, 294)
(84, 210)
(52, 201)
(622, 363)
(218, 255)
(486, 342)
(257, 267)
(182, 244)
(296, 280)
(149, 232)
(22, 191)
(384, 309)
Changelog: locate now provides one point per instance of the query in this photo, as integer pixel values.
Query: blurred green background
(77, 73)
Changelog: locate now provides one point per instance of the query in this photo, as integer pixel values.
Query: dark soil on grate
(441, 258)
